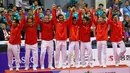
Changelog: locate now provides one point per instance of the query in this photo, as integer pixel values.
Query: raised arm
(68, 22)
(8, 19)
(23, 21)
(54, 14)
(37, 17)
(79, 21)
(109, 16)
(93, 18)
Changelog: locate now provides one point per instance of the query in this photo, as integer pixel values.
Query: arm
(123, 32)
(70, 18)
(37, 18)
(8, 20)
(93, 18)
(109, 17)
(80, 19)
(54, 16)
(23, 21)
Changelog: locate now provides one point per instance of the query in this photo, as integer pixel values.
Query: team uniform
(84, 35)
(31, 43)
(14, 43)
(101, 37)
(47, 43)
(61, 37)
(117, 31)
(74, 41)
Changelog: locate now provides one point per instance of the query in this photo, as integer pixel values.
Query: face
(10, 13)
(3, 13)
(74, 21)
(100, 19)
(20, 12)
(46, 18)
(14, 8)
(40, 10)
(101, 7)
(59, 8)
(84, 21)
(115, 18)
(127, 3)
(104, 15)
(36, 3)
(3, 26)
(30, 12)
(127, 18)
(61, 18)
(30, 23)
(83, 11)
(48, 12)
(14, 24)
(74, 9)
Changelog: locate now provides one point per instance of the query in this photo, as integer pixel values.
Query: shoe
(10, 68)
(63, 66)
(104, 66)
(68, 66)
(91, 65)
(42, 67)
(17, 69)
(100, 65)
(51, 67)
(26, 68)
(77, 66)
(117, 64)
(34, 68)
(58, 67)
(83, 66)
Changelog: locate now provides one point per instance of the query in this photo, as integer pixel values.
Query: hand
(54, 6)
(91, 9)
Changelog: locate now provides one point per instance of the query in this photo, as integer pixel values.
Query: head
(40, 10)
(59, 8)
(115, 17)
(2, 13)
(10, 12)
(104, 15)
(35, 2)
(100, 19)
(61, 18)
(3, 26)
(48, 12)
(74, 20)
(85, 5)
(14, 8)
(30, 12)
(126, 17)
(101, 6)
(83, 11)
(85, 20)
(69, 8)
(15, 23)
(46, 18)
(30, 22)
(74, 6)
(127, 3)
(116, 2)
(20, 11)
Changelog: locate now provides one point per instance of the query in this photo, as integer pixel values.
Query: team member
(74, 40)
(61, 36)
(14, 41)
(101, 37)
(117, 31)
(31, 41)
(47, 41)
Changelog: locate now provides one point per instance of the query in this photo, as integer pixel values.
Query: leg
(82, 53)
(42, 55)
(35, 55)
(116, 56)
(71, 47)
(104, 47)
(99, 48)
(10, 55)
(76, 50)
(123, 49)
(27, 55)
(50, 53)
(57, 56)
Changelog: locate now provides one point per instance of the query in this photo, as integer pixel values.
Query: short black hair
(74, 6)
(16, 20)
(29, 10)
(10, 11)
(58, 6)
(60, 15)
(100, 4)
(86, 18)
(73, 18)
(114, 15)
(48, 9)
(127, 1)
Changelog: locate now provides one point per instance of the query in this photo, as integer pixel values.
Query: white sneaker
(90, 65)
(42, 67)
(34, 68)
(58, 67)
(17, 69)
(117, 64)
(100, 65)
(63, 66)
(77, 66)
(68, 66)
(26, 68)
(83, 66)
(10, 68)
(104, 66)
(51, 67)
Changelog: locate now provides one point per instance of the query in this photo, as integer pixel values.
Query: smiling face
(115, 18)
(30, 22)
(14, 24)
(46, 19)
(100, 19)
(61, 18)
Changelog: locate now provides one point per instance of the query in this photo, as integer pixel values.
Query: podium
(96, 69)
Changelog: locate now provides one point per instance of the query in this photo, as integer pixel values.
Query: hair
(100, 4)
(127, 1)
(16, 20)
(86, 18)
(60, 15)
(9, 11)
(114, 15)
(74, 6)
(74, 18)
(30, 18)
(29, 10)
(58, 6)
(47, 10)
(86, 5)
